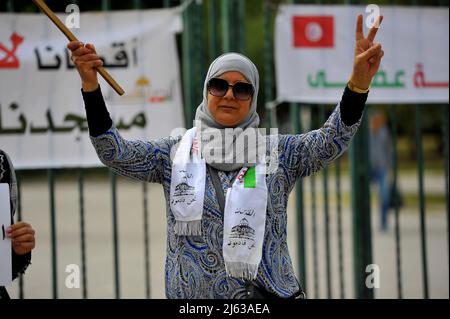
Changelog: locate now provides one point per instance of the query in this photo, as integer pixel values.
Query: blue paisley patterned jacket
(194, 265)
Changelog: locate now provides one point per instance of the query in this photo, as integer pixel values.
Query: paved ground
(100, 275)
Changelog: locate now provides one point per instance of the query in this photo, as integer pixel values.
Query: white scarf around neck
(245, 207)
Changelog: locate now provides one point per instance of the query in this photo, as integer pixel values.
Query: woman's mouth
(228, 107)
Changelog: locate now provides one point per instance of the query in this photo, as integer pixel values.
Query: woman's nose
(229, 94)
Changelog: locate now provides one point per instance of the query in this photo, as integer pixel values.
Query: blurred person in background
(380, 150)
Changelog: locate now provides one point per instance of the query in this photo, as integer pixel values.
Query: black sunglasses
(241, 90)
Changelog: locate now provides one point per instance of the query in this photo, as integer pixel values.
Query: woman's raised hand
(368, 54)
(86, 61)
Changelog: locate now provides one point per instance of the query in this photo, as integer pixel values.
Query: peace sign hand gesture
(368, 54)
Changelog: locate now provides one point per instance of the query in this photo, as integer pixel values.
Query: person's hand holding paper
(22, 236)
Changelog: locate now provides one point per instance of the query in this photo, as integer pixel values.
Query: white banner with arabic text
(314, 53)
(42, 117)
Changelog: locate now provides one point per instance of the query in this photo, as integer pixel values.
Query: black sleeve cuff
(97, 115)
(20, 263)
(352, 106)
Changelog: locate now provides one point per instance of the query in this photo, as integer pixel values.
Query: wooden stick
(61, 26)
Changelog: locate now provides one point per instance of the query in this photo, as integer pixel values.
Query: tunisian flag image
(313, 31)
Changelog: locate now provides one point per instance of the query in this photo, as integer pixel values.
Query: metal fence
(334, 234)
